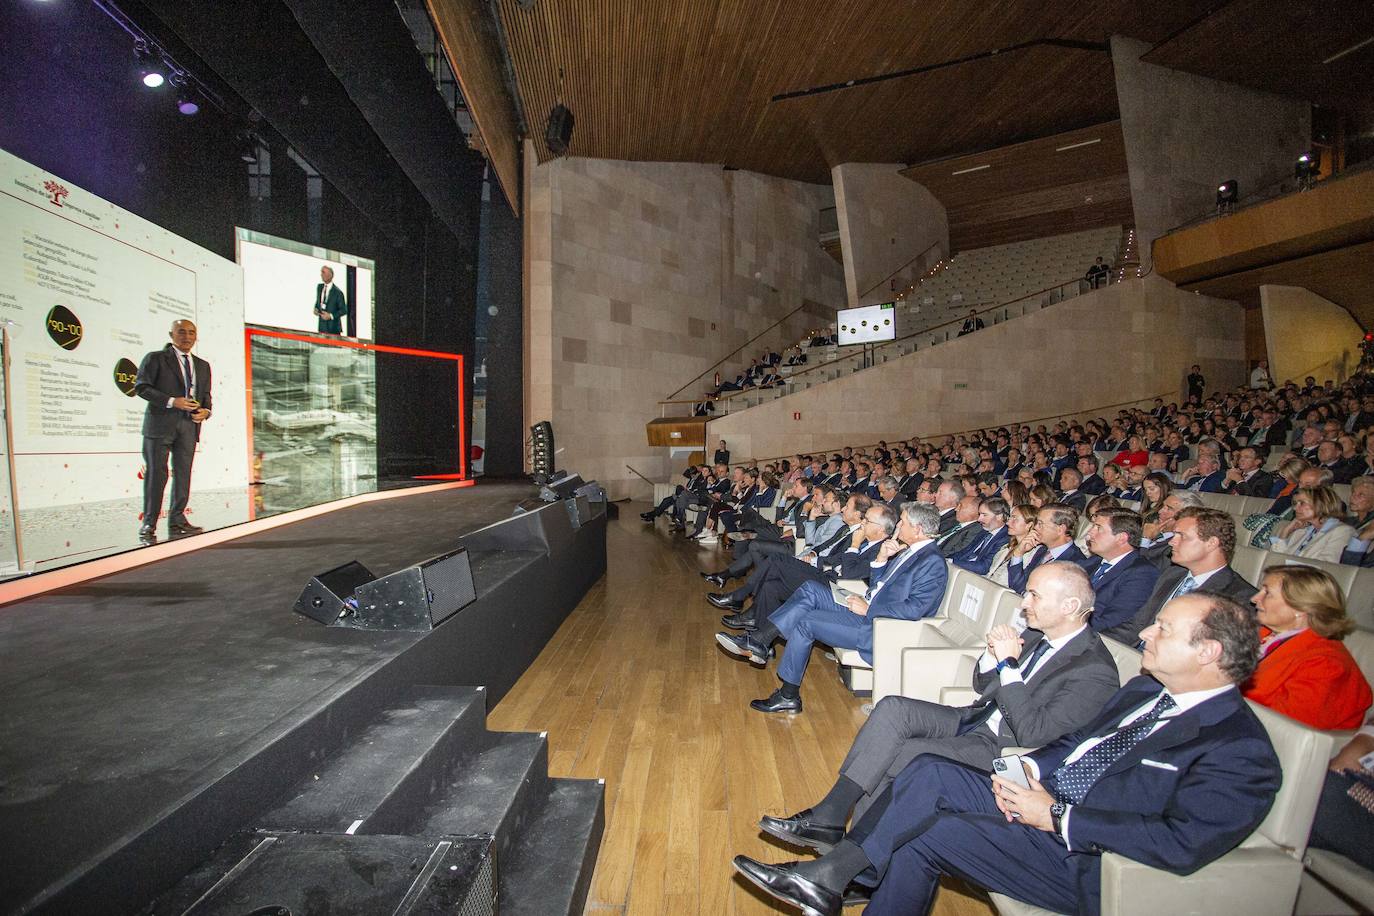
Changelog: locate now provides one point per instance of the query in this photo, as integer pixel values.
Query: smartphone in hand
(1011, 769)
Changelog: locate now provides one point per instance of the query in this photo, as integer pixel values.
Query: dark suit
(957, 539)
(1261, 484)
(977, 557)
(1122, 590)
(948, 519)
(334, 306)
(1211, 781)
(1226, 581)
(1078, 499)
(1212, 483)
(1065, 692)
(1018, 574)
(1093, 485)
(161, 377)
(909, 590)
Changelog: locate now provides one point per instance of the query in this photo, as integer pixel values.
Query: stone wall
(642, 275)
(885, 220)
(1186, 134)
(1308, 335)
(1126, 343)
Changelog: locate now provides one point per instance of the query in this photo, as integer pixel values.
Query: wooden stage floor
(633, 689)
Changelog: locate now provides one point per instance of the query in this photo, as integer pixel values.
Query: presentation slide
(281, 285)
(868, 324)
(87, 289)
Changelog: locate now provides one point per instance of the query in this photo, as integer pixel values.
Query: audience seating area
(933, 658)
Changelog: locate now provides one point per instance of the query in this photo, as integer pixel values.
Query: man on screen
(176, 386)
(330, 307)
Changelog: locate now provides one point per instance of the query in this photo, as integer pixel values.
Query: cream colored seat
(1258, 878)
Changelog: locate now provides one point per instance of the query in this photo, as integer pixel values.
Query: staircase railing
(733, 353)
(939, 333)
(932, 246)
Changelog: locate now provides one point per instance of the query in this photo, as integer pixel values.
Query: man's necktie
(977, 551)
(1072, 781)
(1100, 573)
(186, 374)
(1187, 585)
(975, 716)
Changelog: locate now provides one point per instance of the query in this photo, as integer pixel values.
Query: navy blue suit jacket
(977, 557)
(1018, 574)
(1212, 483)
(1123, 590)
(914, 590)
(856, 565)
(1211, 781)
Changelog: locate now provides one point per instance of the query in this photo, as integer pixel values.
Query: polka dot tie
(1072, 781)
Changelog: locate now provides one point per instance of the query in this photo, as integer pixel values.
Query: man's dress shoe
(716, 579)
(800, 830)
(740, 621)
(647, 516)
(183, 529)
(744, 647)
(724, 601)
(782, 882)
(147, 534)
(776, 702)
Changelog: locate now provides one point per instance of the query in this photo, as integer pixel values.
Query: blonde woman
(1317, 531)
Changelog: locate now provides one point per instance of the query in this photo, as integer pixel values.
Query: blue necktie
(1100, 573)
(1072, 781)
(987, 538)
(186, 373)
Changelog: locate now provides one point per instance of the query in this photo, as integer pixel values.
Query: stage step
(378, 782)
(494, 792)
(548, 870)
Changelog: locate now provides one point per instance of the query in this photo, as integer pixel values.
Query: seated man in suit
(1206, 476)
(1055, 526)
(889, 493)
(1033, 687)
(1175, 772)
(1203, 543)
(977, 557)
(947, 494)
(908, 582)
(1122, 579)
(1248, 477)
(1092, 482)
(775, 579)
(966, 529)
(1135, 483)
(1070, 495)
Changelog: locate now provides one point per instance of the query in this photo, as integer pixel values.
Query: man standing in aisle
(330, 307)
(176, 386)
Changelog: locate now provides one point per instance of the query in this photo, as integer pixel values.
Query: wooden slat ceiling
(1281, 47)
(692, 80)
(1063, 183)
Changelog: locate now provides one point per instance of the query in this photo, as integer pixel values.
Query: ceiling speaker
(558, 132)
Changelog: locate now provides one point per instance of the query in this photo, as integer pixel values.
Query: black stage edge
(150, 715)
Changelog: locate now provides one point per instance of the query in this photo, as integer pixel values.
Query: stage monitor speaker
(565, 487)
(419, 597)
(326, 596)
(558, 132)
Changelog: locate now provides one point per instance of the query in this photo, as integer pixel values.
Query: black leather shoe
(647, 516)
(740, 621)
(147, 534)
(724, 601)
(716, 579)
(857, 893)
(744, 647)
(183, 529)
(801, 830)
(782, 882)
(776, 702)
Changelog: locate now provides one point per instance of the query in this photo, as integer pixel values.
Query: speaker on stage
(325, 597)
(558, 131)
(419, 597)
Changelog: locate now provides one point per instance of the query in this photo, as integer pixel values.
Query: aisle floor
(634, 689)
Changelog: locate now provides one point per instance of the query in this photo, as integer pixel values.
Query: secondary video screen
(300, 287)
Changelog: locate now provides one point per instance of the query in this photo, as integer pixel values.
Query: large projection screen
(89, 288)
(281, 278)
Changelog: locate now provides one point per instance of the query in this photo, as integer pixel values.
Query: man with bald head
(330, 307)
(176, 386)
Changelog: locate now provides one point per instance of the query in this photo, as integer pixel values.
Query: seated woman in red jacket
(1304, 671)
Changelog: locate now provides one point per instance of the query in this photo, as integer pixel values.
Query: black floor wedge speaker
(418, 597)
(326, 596)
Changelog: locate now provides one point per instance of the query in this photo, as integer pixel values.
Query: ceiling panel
(693, 80)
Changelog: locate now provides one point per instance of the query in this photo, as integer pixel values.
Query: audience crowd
(1100, 525)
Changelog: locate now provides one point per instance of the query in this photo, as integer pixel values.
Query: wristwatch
(1056, 812)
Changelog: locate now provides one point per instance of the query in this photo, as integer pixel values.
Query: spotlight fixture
(187, 105)
(1306, 169)
(247, 146)
(1228, 192)
(150, 69)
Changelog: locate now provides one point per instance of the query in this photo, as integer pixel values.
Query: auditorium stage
(145, 711)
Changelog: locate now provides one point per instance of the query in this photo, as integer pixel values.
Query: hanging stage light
(150, 68)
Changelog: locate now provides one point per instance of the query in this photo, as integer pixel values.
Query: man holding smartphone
(1175, 772)
(1033, 687)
